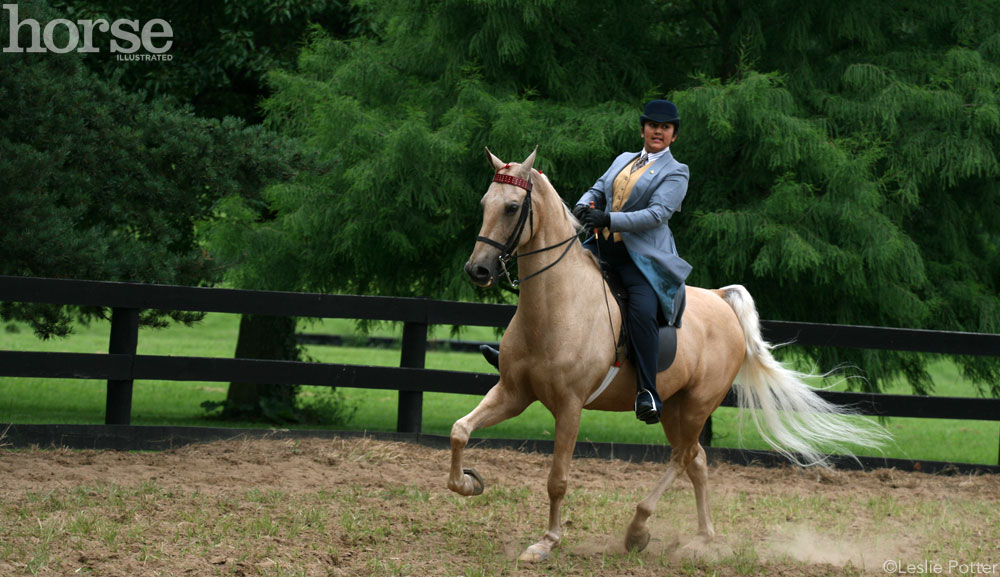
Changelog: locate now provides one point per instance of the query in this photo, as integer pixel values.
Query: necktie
(640, 163)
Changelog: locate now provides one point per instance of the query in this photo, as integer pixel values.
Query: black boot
(492, 355)
(647, 409)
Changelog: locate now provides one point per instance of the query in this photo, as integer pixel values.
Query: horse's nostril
(478, 273)
(481, 273)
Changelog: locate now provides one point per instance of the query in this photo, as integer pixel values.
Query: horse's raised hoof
(534, 554)
(477, 481)
(637, 542)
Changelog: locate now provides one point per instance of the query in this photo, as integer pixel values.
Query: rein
(525, 217)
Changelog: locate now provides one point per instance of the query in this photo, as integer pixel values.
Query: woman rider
(634, 200)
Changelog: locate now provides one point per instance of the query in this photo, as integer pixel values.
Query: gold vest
(622, 189)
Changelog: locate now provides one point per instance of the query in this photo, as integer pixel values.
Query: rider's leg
(644, 340)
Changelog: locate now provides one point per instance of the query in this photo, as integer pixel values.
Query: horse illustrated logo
(154, 38)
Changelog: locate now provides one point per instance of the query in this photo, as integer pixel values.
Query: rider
(633, 201)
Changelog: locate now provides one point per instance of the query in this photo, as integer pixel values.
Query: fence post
(124, 340)
(409, 414)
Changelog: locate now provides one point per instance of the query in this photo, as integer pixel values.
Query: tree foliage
(401, 116)
(97, 183)
(218, 58)
(859, 174)
(843, 156)
(221, 51)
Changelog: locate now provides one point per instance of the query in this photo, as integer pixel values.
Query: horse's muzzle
(479, 274)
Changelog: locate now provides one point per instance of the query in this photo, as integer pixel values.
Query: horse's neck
(558, 292)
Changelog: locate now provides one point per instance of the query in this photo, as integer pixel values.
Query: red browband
(508, 179)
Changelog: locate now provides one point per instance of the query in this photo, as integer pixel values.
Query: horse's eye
(512, 208)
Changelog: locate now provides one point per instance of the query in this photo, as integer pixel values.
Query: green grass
(179, 403)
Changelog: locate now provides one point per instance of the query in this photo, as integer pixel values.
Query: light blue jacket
(642, 222)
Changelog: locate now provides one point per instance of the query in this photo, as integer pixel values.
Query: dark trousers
(642, 311)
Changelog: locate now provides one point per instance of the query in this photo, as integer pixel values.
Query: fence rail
(121, 366)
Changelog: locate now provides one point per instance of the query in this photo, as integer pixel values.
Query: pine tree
(220, 51)
(106, 183)
(220, 54)
(872, 192)
(97, 183)
(398, 114)
(843, 157)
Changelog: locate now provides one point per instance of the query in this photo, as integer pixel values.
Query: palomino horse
(561, 320)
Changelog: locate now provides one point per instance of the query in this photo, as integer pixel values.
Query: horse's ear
(496, 162)
(526, 165)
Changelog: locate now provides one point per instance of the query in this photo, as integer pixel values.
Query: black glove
(596, 219)
(579, 211)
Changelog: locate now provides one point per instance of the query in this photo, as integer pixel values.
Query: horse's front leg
(502, 402)
(567, 427)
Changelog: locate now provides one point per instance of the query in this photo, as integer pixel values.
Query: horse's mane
(575, 222)
(552, 189)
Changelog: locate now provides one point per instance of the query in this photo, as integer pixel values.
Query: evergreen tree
(220, 52)
(843, 156)
(97, 183)
(102, 182)
(398, 115)
(861, 173)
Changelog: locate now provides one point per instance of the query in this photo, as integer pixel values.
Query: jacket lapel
(641, 190)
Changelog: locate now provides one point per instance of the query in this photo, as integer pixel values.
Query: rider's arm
(663, 203)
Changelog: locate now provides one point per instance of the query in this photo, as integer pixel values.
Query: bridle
(525, 217)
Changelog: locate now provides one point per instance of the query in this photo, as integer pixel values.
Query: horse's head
(507, 219)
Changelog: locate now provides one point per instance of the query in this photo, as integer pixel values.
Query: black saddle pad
(668, 334)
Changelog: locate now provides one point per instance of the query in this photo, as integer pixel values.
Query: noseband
(525, 216)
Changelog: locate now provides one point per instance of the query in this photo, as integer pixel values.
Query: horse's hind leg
(500, 403)
(682, 424)
(698, 473)
(637, 535)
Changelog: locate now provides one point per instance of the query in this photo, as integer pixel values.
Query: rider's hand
(596, 219)
(579, 211)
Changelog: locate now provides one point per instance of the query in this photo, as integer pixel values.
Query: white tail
(787, 412)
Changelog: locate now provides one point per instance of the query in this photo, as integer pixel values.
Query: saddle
(668, 334)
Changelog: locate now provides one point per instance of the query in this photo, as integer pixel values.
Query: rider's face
(657, 136)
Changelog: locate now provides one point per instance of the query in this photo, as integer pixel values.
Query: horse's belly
(620, 394)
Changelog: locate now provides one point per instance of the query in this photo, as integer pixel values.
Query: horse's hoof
(477, 481)
(706, 536)
(637, 542)
(534, 554)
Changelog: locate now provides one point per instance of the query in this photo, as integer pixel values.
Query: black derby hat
(661, 111)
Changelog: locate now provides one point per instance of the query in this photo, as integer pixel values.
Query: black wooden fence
(121, 366)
